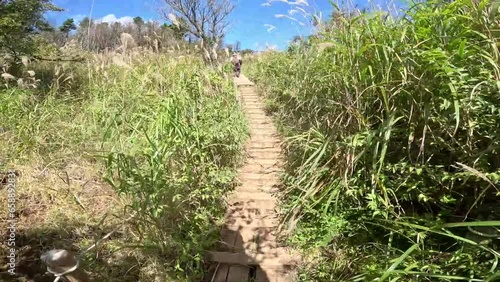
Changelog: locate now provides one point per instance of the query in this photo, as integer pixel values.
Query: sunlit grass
(391, 125)
(157, 135)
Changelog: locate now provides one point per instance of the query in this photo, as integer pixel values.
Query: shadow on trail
(248, 250)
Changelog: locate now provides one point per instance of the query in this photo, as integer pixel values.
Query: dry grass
(57, 208)
(55, 136)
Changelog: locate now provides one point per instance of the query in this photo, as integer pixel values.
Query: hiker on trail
(236, 60)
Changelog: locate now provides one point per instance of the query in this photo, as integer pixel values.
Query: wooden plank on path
(238, 273)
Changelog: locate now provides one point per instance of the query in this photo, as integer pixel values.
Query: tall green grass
(393, 164)
(165, 131)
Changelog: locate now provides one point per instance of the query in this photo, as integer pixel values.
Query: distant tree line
(98, 36)
(24, 31)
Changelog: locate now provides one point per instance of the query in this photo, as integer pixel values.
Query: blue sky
(250, 21)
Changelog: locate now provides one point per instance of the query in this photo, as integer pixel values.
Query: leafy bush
(392, 127)
(190, 143)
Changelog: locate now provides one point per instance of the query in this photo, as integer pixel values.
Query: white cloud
(78, 18)
(297, 3)
(111, 18)
(270, 27)
(271, 47)
(279, 16)
(266, 46)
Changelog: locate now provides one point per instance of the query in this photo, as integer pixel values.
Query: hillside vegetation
(392, 143)
(143, 134)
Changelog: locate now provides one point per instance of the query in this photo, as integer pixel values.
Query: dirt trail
(249, 250)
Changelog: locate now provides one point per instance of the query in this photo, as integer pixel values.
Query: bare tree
(205, 19)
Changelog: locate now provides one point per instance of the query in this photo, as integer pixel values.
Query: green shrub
(391, 126)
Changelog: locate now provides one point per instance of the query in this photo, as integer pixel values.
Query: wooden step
(253, 104)
(265, 113)
(254, 111)
(264, 155)
(269, 133)
(274, 274)
(264, 145)
(253, 238)
(220, 274)
(265, 119)
(258, 127)
(251, 176)
(269, 203)
(264, 159)
(257, 133)
(259, 186)
(235, 224)
(238, 273)
(276, 258)
(248, 249)
(251, 214)
(241, 195)
(258, 168)
(270, 130)
(273, 150)
(226, 273)
(254, 108)
(247, 100)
